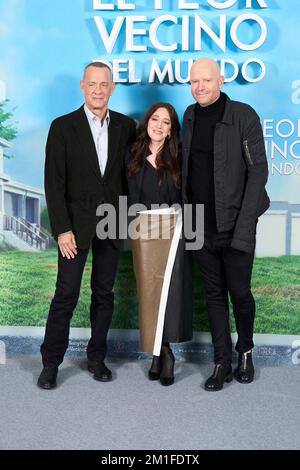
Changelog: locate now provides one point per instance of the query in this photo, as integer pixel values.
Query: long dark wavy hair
(167, 159)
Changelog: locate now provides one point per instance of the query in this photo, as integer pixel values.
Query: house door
(32, 210)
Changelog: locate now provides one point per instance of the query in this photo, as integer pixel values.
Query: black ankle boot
(244, 373)
(155, 369)
(47, 378)
(222, 373)
(167, 371)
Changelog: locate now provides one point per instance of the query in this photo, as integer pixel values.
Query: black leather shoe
(167, 372)
(100, 371)
(155, 369)
(47, 378)
(222, 373)
(244, 373)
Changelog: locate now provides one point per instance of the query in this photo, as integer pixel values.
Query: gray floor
(133, 413)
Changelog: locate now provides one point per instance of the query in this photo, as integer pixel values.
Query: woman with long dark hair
(153, 175)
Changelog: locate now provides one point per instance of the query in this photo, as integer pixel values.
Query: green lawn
(27, 284)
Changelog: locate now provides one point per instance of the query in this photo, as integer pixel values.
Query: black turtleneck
(201, 162)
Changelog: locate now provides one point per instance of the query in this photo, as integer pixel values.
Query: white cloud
(4, 31)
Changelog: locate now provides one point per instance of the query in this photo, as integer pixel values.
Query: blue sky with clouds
(45, 44)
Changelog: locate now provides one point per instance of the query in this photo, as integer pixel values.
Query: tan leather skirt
(154, 252)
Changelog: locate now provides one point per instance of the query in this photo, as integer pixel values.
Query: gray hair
(99, 64)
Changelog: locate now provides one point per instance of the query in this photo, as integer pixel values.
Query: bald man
(225, 168)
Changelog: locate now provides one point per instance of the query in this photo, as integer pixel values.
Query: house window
(12, 204)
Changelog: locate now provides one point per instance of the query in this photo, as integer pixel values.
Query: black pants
(226, 270)
(104, 267)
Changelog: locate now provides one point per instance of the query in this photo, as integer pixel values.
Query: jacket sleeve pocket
(254, 145)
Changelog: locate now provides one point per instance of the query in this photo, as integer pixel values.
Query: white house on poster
(20, 212)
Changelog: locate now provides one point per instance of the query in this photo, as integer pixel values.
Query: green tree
(8, 131)
(45, 223)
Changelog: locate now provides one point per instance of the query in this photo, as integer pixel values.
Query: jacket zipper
(244, 361)
(248, 152)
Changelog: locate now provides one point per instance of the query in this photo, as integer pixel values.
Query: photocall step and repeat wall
(151, 46)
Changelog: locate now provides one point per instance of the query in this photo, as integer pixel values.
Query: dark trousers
(227, 270)
(104, 267)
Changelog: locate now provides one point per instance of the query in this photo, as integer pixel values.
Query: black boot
(47, 378)
(168, 360)
(155, 369)
(244, 373)
(222, 373)
(100, 371)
